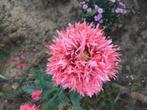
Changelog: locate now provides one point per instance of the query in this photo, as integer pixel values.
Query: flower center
(86, 55)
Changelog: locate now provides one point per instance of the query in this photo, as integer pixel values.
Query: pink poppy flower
(83, 59)
(30, 75)
(36, 95)
(17, 76)
(20, 66)
(13, 58)
(28, 106)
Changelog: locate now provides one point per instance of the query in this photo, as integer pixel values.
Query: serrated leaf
(62, 96)
(28, 89)
(89, 14)
(1, 21)
(112, 105)
(87, 0)
(75, 99)
(101, 104)
(49, 94)
(53, 103)
(3, 77)
(4, 55)
(2, 94)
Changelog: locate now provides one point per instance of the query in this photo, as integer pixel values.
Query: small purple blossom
(96, 7)
(113, 1)
(101, 21)
(85, 6)
(89, 9)
(98, 17)
(117, 8)
(120, 10)
(100, 10)
(82, 3)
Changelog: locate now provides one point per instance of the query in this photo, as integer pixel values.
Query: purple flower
(120, 10)
(96, 7)
(89, 10)
(82, 3)
(98, 17)
(100, 10)
(113, 1)
(85, 6)
(101, 21)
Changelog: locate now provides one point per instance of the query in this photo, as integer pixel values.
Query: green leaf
(49, 93)
(112, 105)
(4, 55)
(28, 89)
(87, 0)
(2, 94)
(3, 77)
(53, 103)
(63, 98)
(75, 99)
(89, 14)
(1, 21)
(101, 105)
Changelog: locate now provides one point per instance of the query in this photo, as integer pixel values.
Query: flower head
(30, 75)
(82, 59)
(85, 6)
(28, 106)
(113, 1)
(100, 10)
(17, 76)
(36, 95)
(13, 58)
(98, 17)
(120, 10)
(89, 9)
(20, 66)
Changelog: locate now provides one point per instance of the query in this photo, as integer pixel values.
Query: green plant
(4, 56)
(105, 100)
(102, 12)
(56, 98)
(1, 21)
(52, 97)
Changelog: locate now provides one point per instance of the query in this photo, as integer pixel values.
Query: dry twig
(135, 95)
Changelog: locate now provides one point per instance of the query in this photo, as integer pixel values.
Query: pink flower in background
(83, 59)
(36, 95)
(30, 75)
(17, 76)
(20, 66)
(28, 106)
(13, 58)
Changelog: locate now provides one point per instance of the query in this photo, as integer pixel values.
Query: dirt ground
(29, 24)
